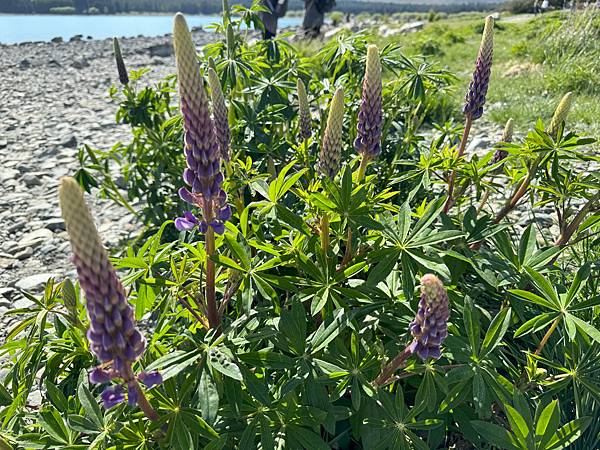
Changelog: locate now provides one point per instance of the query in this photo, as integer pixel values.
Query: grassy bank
(536, 60)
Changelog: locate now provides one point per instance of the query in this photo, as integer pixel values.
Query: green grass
(545, 58)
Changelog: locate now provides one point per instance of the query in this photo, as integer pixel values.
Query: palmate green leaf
(495, 332)
(545, 286)
(90, 405)
(306, 438)
(208, 397)
(221, 361)
(517, 424)
(173, 363)
(533, 298)
(327, 332)
(547, 423)
(496, 435)
(585, 327)
(568, 434)
(53, 424)
(535, 324)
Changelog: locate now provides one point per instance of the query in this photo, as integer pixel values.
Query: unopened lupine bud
(70, 300)
(560, 115)
(478, 87)
(500, 154)
(203, 173)
(370, 115)
(113, 335)
(304, 122)
(330, 158)
(430, 326)
(123, 76)
(222, 131)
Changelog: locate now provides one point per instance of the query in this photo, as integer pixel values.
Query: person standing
(277, 9)
(314, 16)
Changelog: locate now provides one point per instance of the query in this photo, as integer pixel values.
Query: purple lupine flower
(150, 379)
(370, 115)
(475, 98)
(430, 326)
(304, 121)
(203, 173)
(222, 131)
(112, 396)
(114, 339)
(123, 76)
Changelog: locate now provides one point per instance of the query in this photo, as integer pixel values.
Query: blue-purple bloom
(112, 396)
(151, 379)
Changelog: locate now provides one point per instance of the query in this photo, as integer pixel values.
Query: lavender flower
(123, 76)
(560, 115)
(304, 121)
(500, 154)
(430, 326)
(475, 98)
(370, 115)
(223, 134)
(203, 173)
(113, 336)
(330, 158)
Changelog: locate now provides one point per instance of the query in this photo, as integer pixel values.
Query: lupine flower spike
(560, 115)
(475, 97)
(123, 76)
(222, 131)
(113, 336)
(429, 328)
(203, 173)
(330, 159)
(478, 87)
(370, 115)
(304, 121)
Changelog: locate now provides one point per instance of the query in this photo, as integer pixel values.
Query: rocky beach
(54, 100)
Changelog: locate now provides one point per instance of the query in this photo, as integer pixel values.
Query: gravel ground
(53, 99)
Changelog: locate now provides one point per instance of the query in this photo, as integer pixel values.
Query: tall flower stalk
(220, 113)
(370, 115)
(330, 158)
(429, 327)
(476, 95)
(121, 69)
(203, 173)
(113, 336)
(304, 121)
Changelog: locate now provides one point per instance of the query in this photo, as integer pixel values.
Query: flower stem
(142, 401)
(574, 225)
(325, 232)
(362, 170)
(461, 151)
(385, 377)
(544, 340)
(210, 295)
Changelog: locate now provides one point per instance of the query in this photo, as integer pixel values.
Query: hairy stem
(461, 151)
(570, 229)
(142, 401)
(325, 232)
(210, 294)
(385, 377)
(362, 170)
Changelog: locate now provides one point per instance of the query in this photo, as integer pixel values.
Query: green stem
(362, 170)
(567, 234)
(461, 151)
(325, 232)
(142, 401)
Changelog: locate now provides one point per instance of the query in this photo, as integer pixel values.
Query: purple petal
(99, 376)
(186, 222)
(132, 394)
(186, 196)
(225, 213)
(150, 378)
(112, 396)
(219, 227)
(203, 226)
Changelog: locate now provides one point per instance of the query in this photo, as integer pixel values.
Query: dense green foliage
(307, 322)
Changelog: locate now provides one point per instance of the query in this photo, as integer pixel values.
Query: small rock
(24, 64)
(35, 238)
(3, 143)
(7, 263)
(34, 282)
(70, 142)
(6, 293)
(80, 64)
(55, 224)
(22, 303)
(24, 254)
(57, 40)
(412, 27)
(31, 180)
(161, 50)
(76, 38)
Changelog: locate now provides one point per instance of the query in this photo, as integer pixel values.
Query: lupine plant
(373, 287)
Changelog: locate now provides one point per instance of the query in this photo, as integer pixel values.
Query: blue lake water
(15, 28)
